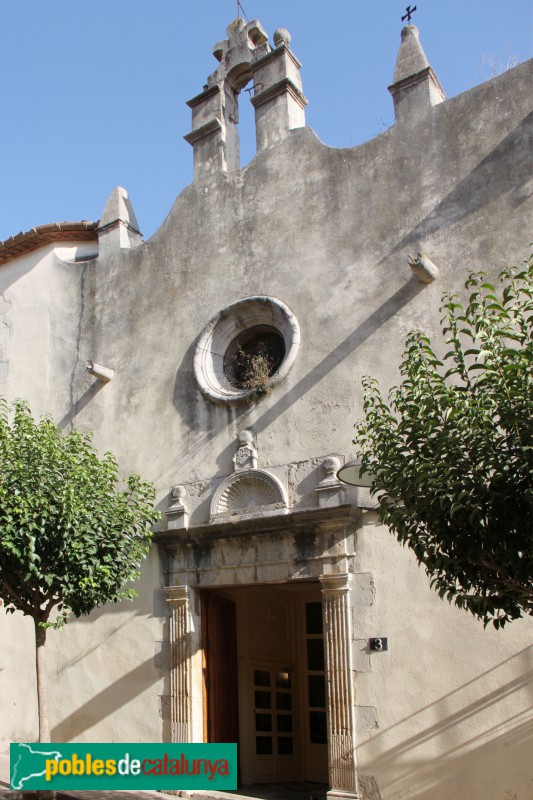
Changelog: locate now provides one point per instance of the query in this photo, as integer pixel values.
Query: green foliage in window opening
(255, 368)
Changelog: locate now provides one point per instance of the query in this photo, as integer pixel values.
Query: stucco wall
(328, 233)
(93, 681)
(448, 706)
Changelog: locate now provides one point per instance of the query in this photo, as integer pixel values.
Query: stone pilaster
(341, 700)
(214, 137)
(183, 647)
(278, 98)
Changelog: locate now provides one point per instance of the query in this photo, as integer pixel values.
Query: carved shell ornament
(247, 490)
(247, 493)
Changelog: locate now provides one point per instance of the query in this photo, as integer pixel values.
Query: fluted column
(186, 716)
(340, 690)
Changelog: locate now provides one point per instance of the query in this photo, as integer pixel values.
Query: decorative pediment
(249, 493)
(253, 493)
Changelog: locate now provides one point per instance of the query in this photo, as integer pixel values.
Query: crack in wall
(74, 403)
(5, 334)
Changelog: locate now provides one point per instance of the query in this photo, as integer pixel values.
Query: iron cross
(410, 12)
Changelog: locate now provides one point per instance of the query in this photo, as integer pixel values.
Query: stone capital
(177, 595)
(336, 584)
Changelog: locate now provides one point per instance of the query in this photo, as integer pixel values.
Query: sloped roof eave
(27, 241)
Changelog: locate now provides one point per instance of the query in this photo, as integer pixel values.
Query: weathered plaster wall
(448, 706)
(43, 295)
(40, 325)
(328, 233)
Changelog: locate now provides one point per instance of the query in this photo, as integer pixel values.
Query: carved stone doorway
(261, 574)
(264, 679)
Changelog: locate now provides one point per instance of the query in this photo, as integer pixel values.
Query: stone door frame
(317, 546)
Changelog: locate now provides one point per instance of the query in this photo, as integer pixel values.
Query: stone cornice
(274, 54)
(285, 86)
(116, 224)
(203, 96)
(204, 130)
(261, 526)
(425, 74)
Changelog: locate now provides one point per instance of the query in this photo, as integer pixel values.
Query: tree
(451, 452)
(70, 539)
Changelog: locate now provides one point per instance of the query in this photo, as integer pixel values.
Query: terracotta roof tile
(26, 241)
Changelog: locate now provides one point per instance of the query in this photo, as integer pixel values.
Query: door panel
(220, 668)
(274, 728)
(314, 679)
(265, 680)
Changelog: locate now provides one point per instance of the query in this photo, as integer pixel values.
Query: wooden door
(221, 688)
(314, 688)
(275, 757)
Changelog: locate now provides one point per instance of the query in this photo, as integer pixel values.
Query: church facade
(222, 359)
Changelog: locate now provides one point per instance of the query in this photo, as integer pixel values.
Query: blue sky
(93, 94)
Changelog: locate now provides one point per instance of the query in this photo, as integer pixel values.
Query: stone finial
(415, 85)
(178, 510)
(282, 36)
(118, 226)
(330, 466)
(246, 455)
(423, 268)
(411, 57)
(330, 491)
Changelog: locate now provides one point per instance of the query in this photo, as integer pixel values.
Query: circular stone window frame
(221, 332)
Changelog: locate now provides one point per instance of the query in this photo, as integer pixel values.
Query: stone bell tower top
(245, 42)
(279, 103)
(415, 85)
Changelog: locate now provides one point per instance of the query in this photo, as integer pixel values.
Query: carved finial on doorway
(330, 491)
(178, 510)
(246, 455)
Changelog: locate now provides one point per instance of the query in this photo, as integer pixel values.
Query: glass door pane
(315, 673)
(273, 712)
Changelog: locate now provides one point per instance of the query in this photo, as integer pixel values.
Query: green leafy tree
(451, 452)
(70, 538)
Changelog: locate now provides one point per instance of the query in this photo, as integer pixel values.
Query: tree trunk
(42, 695)
(42, 681)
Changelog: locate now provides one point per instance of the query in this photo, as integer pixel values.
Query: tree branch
(24, 606)
(515, 586)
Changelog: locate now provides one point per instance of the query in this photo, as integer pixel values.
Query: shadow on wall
(77, 407)
(99, 642)
(471, 194)
(482, 185)
(219, 417)
(108, 639)
(476, 742)
(107, 702)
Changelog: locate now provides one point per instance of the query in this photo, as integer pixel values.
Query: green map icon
(110, 766)
(29, 763)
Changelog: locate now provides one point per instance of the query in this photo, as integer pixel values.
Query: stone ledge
(285, 86)
(207, 128)
(261, 526)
